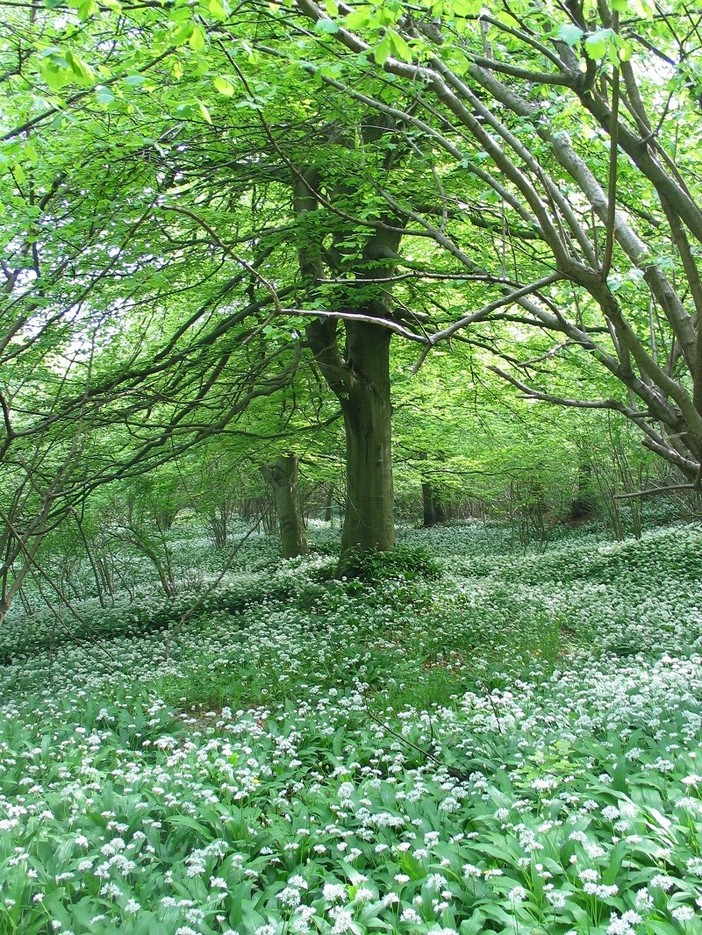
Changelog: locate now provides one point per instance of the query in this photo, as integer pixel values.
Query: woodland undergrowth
(472, 738)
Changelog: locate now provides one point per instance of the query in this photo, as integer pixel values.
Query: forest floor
(494, 739)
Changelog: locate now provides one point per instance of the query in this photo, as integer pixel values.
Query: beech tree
(272, 180)
(600, 227)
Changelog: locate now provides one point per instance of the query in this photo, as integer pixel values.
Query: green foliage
(410, 563)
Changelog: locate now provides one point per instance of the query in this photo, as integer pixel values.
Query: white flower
(289, 896)
(644, 900)
(663, 882)
(334, 891)
(601, 890)
(556, 898)
(517, 895)
(436, 881)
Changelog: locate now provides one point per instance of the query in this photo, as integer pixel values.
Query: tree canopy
(249, 220)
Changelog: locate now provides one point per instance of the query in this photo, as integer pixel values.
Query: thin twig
(451, 770)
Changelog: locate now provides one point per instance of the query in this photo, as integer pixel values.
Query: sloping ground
(514, 747)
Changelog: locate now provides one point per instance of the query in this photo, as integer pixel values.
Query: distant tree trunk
(10, 589)
(433, 506)
(361, 382)
(329, 505)
(154, 547)
(282, 476)
(583, 506)
(165, 517)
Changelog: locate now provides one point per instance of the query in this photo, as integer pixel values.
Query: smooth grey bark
(282, 476)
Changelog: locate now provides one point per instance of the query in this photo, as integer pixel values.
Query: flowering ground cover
(492, 740)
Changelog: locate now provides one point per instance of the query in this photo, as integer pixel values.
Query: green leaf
(570, 34)
(359, 18)
(104, 95)
(400, 48)
(183, 34)
(474, 925)
(597, 44)
(219, 9)
(197, 39)
(383, 50)
(205, 112)
(224, 86)
(326, 26)
(466, 7)
(87, 9)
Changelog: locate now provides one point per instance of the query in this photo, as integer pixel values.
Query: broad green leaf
(219, 9)
(326, 26)
(183, 34)
(570, 34)
(359, 18)
(383, 49)
(598, 43)
(466, 7)
(197, 39)
(224, 86)
(400, 48)
(87, 9)
(103, 94)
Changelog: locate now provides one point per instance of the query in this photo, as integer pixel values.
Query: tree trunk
(368, 523)
(329, 505)
(583, 506)
(360, 375)
(282, 476)
(433, 507)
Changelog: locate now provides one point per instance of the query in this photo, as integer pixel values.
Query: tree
(599, 239)
(282, 476)
(417, 196)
